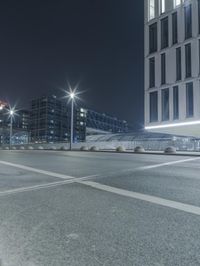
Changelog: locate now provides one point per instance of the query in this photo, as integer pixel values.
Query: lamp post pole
(11, 129)
(72, 122)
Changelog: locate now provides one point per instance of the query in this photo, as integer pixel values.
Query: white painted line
(35, 170)
(155, 200)
(142, 168)
(43, 186)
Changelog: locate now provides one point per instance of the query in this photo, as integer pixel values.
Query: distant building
(3, 114)
(20, 125)
(22, 120)
(172, 66)
(103, 123)
(50, 120)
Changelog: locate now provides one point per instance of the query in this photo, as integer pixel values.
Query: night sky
(96, 43)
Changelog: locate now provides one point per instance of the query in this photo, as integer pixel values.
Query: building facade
(100, 122)
(20, 125)
(172, 66)
(50, 121)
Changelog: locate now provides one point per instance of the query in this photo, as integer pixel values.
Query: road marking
(148, 167)
(43, 186)
(152, 199)
(35, 170)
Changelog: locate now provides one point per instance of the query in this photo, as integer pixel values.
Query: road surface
(91, 209)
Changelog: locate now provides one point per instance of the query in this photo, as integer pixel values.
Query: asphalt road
(91, 209)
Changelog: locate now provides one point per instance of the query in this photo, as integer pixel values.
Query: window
(153, 38)
(188, 63)
(154, 106)
(199, 15)
(163, 69)
(165, 104)
(174, 28)
(178, 64)
(189, 100)
(199, 56)
(188, 21)
(177, 3)
(175, 103)
(164, 33)
(152, 72)
(151, 9)
(162, 6)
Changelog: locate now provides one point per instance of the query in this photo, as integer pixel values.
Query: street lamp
(11, 114)
(72, 96)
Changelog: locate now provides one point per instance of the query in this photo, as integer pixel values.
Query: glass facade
(162, 6)
(175, 102)
(153, 38)
(151, 8)
(164, 33)
(174, 68)
(198, 16)
(189, 100)
(188, 21)
(165, 104)
(178, 64)
(152, 72)
(174, 28)
(51, 120)
(154, 106)
(177, 3)
(188, 61)
(163, 69)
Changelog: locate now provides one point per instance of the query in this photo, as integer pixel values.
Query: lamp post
(11, 113)
(72, 96)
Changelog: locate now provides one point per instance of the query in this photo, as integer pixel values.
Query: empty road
(92, 209)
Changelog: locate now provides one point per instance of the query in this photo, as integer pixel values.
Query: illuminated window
(177, 3)
(162, 6)
(151, 9)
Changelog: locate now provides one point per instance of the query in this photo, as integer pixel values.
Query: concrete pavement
(47, 219)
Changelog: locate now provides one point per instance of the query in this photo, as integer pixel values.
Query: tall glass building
(172, 66)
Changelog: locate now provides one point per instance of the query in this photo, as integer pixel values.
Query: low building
(97, 122)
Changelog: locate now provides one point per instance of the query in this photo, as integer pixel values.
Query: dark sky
(96, 43)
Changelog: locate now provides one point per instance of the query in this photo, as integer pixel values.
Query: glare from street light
(72, 95)
(11, 112)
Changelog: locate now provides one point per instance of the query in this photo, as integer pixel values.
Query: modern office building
(22, 120)
(97, 122)
(172, 66)
(20, 125)
(50, 121)
(3, 114)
